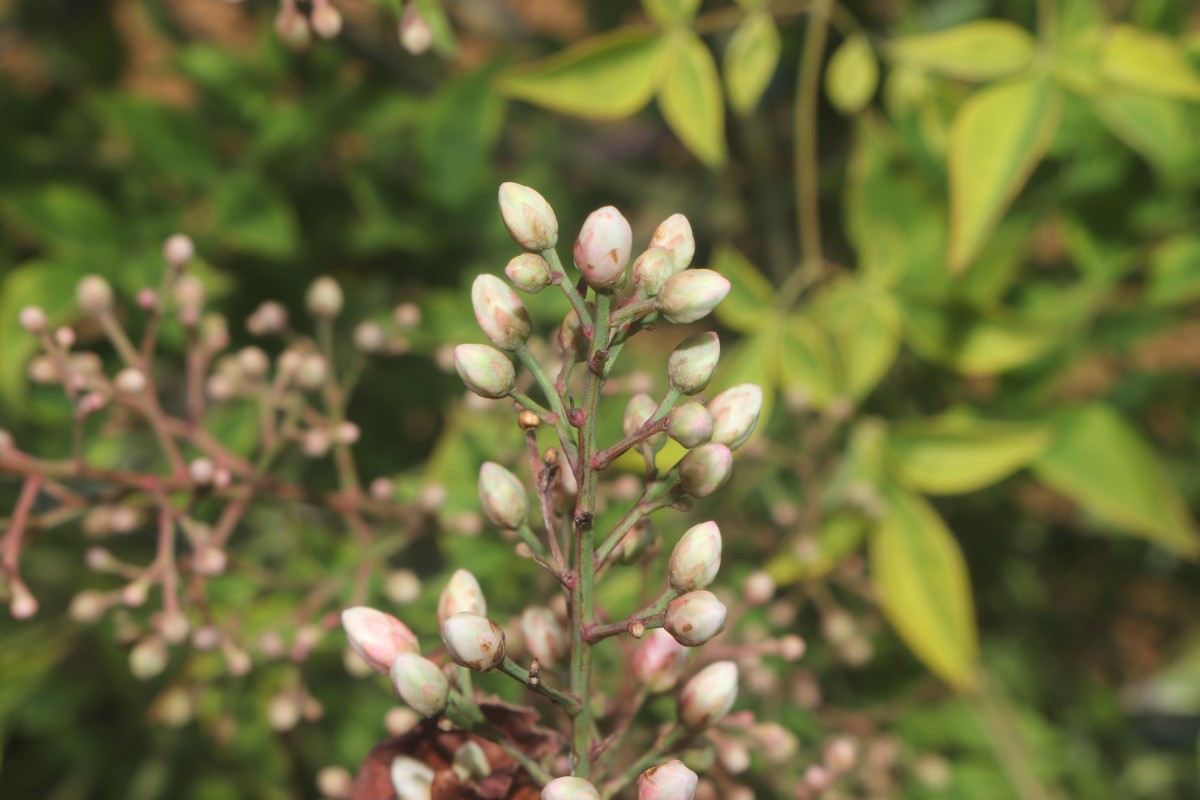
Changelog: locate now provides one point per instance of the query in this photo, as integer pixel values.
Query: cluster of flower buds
(295, 27)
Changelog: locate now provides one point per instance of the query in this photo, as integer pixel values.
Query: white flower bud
(675, 236)
(696, 558)
(401, 586)
(473, 641)
(529, 218)
(22, 604)
(707, 697)
(130, 380)
(691, 365)
(529, 272)
(326, 20)
(570, 789)
(148, 658)
(669, 781)
(377, 637)
(471, 762)
(544, 637)
(758, 588)
(324, 298)
(270, 317)
(692, 294)
(704, 470)
(411, 779)
(416, 34)
(33, 319)
(690, 424)
(189, 292)
(253, 362)
(641, 407)
(178, 250)
(485, 370)
(841, 754)
(94, 295)
(602, 249)
(202, 470)
(335, 783)
(462, 593)
(420, 683)
(659, 661)
(500, 312)
(735, 414)
(695, 618)
(652, 269)
(503, 496)
(369, 337)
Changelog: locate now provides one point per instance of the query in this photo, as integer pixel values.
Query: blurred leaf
(1102, 463)
(923, 588)
(1160, 129)
(998, 137)
(671, 12)
(1175, 271)
(852, 75)
(690, 98)
(61, 216)
(838, 537)
(605, 77)
(1149, 62)
(806, 362)
(864, 325)
(253, 217)
(750, 293)
(750, 60)
(974, 342)
(952, 454)
(457, 135)
(444, 41)
(171, 141)
(979, 50)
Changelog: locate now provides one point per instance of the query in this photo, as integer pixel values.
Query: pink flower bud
(707, 697)
(669, 781)
(178, 250)
(94, 295)
(292, 26)
(544, 636)
(33, 319)
(500, 312)
(503, 496)
(692, 294)
(841, 754)
(22, 604)
(529, 218)
(652, 269)
(130, 381)
(369, 337)
(462, 593)
(324, 298)
(695, 618)
(602, 249)
(335, 782)
(777, 744)
(189, 293)
(485, 370)
(529, 272)
(704, 470)
(675, 236)
(690, 424)
(420, 683)
(758, 588)
(270, 317)
(735, 414)
(570, 789)
(659, 661)
(696, 558)
(691, 365)
(416, 34)
(377, 637)
(201, 470)
(326, 20)
(473, 641)
(571, 341)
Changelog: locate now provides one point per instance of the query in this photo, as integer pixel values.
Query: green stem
(808, 86)
(658, 495)
(535, 684)
(997, 721)
(568, 288)
(465, 714)
(530, 404)
(552, 397)
(530, 538)
(631, 311)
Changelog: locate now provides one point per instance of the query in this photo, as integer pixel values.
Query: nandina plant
(596, 755)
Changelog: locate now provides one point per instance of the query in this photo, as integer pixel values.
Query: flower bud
(94, 295)
(735, 414)
(420, 683)
(416, 34)
(571, 341)
(669, 781)
(690, 424)
(471, 762)
(485, 370)
(675, 236)
(500, 312)
(148, 658)
(570, 789)
(503, 497)
(462, 593)
(652, 269)
(529, 272)
(709, 695)
(178, 250)
(325, 19)
(691, 365)
(641, 407)
(695, 618)
(377, 637)
(544, 637)
(33, 319)
(324, 298)
(705, 469)
(270, 317)
(659, 661)
(692, 294)
(473, 641)
(130, 380)
(529, 218)
(411, 779)
(638, 542)
(696, 558)
(758, 588)
(602, 249)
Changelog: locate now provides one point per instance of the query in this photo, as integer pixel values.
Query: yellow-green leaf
(606, 77)
(750, 293)
(750, 60)
(807, 367)
(1160, 129)
(1149, 62)
(922, 585)
(1175, 271)
(671, 12)
(1102, 463)
(974, 342)
(955, 454)
(690, 98)
(807, 558)
(864, 324)
(976, 51)
(997, 138)
(852, 75)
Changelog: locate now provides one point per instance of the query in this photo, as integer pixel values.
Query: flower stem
(808, 85)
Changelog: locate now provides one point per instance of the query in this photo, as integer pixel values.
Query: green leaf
(750, 293)
(61, 216)
(976, 51)
(1102, 463)
(671, 12)
(1149, 62)
(808, 558)
(974, 342)
(1175, 271)
(923, 588)
(1160, 129)
(952, 454)
(997, 138)
(852, 75)
(806, 364)
(750, 60)
(456, 137)
(610, 76)
(254, 218)
(690, 98)
(444, 41)
(864, 324)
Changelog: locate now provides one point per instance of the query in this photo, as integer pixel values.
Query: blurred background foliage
(978, 468)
